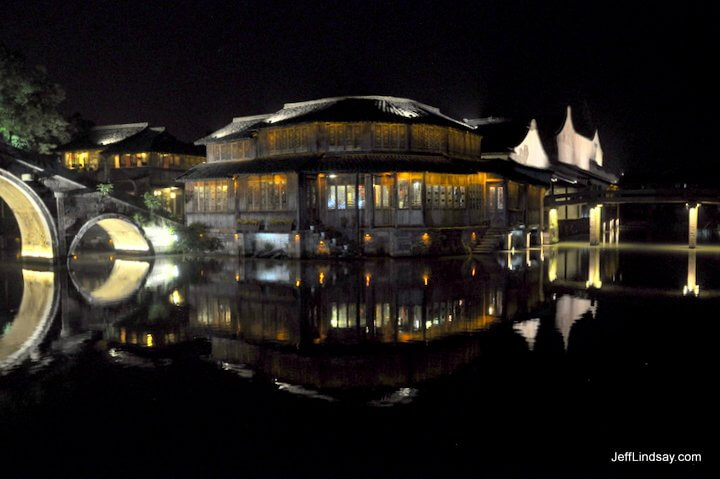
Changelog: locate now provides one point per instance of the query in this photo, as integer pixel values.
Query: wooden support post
(692, 226)
(595, 224)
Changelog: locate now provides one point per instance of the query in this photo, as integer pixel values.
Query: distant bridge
(645, 196)
(55, 209)
(692, 198)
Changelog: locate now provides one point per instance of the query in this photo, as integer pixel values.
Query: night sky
(644, 70)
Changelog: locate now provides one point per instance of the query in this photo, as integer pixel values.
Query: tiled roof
(101, 136)
(346, 108)
(131, 138)
(155, 140)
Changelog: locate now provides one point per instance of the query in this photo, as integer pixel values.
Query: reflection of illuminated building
(147, 336)
(528, 329)
(395, 307)
(569, 309)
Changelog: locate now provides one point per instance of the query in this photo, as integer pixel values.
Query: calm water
(538, 364)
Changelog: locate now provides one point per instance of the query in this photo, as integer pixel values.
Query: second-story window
(428, 137)
(343, 136)
(288, 140)
(389, 136)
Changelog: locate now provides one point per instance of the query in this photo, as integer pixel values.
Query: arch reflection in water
(29, 327)
(100, 288)
(384, 323)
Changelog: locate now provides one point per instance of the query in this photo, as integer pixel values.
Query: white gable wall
(530, 151)
(575, 149)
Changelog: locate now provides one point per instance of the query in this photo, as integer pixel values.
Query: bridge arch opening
(124, 234)
(38, 233)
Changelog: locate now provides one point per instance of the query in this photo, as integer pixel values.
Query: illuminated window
(342, 194)
(288, 140)
(382, 186)
(343, 136)
(266, 193)
(332, 197)
(82, 160)
(389, 136)
(409, 191)
(209, 196)
(341, 197)
(428, 137)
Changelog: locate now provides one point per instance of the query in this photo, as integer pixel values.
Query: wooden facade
(383, 186)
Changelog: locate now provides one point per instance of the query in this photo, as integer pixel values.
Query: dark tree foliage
(29, 116)
(195, 239)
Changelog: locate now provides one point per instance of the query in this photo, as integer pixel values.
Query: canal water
(541, 363)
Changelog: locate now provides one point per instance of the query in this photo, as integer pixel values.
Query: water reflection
(101, 288)
(335, 325)
(21, 334)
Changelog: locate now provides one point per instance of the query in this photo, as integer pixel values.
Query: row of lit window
(409, 317)
(90, 160)
(348, 137)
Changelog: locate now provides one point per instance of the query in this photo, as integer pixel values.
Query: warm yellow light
(124, 234)
(149, 340)
(368, 276)
(472, 272)
(426, 279)
(176, 298)
(24, 332)
(321, 278)
(124, 280)
(297, 282)
(297, 237)
(173, 195)
(237, 277)
(35, 231)
(473, 236)
(367, 237)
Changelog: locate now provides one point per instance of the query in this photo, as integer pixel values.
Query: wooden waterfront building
(371, 174)
(136, 158)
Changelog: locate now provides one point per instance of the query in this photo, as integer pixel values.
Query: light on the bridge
(124, 234)
(35, 230)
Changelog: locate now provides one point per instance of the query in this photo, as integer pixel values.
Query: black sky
(646, 70)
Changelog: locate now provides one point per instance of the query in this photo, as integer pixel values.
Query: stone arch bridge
(55, 209)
